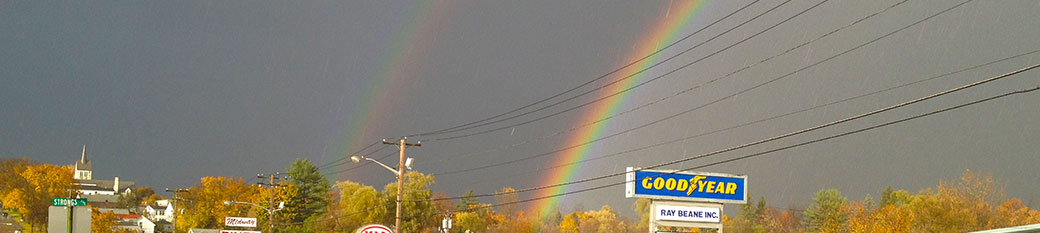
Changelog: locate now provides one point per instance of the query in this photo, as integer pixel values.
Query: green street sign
(61, 201)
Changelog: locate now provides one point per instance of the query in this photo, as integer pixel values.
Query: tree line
(312, 204)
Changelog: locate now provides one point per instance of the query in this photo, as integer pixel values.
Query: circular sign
(374, 228)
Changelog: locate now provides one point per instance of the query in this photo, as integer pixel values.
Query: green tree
(467, 201)
(359, 205)
(420, 214)
(313, 191)
(898, 197)
(827, 212)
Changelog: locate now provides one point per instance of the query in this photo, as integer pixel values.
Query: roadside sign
(374, 228)
(239, 222)
(686, 186)
(685, 214)
(61, 201)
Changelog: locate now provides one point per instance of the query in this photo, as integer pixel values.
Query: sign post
(685, 199)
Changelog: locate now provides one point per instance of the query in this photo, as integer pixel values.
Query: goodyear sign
(686, 186)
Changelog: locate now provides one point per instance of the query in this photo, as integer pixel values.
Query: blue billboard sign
(686, 186)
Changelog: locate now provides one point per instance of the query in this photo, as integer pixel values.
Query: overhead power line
(348, 155)
(638, 73)
(619, 69)
(774, 138)
(605, 156)
(604, 119)
(709, 103)
(773, 150)
(584, 84)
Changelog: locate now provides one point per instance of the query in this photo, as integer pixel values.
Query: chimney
(115, 187)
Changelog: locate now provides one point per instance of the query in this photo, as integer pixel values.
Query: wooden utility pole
(400, 180)
(272, 185)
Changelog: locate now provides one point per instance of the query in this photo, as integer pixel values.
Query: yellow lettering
(646, 183)
(683, 185)
(731, 188)
(721, 187)
(658, 183)
(711, 187)
(670, 184)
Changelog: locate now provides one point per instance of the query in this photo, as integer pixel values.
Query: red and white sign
(234, 231)
(374, 228)
(239, 222)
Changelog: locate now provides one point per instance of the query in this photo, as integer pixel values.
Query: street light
(270, 212)
(174, 203)
(406, 164)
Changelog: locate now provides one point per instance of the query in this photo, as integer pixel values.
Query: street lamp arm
(395, 171)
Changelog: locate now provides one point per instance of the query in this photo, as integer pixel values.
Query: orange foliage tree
(204, 202)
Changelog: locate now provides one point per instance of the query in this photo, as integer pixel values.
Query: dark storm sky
(166, 92)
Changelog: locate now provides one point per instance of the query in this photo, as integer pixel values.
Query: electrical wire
(348, 155)
(619, 69)
(637, 73)
(706, 104)
(774, 138)
(602, 120)
(770, 151)
(543, 169)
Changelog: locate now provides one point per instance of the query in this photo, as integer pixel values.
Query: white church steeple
(83, 169)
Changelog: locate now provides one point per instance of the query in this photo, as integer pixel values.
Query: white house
(159, 212)
(136, 223)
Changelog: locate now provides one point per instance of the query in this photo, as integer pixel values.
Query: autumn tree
(287, 193)
(506, 201)
(31, 194)
(105, 222)
(959, 206)
(642, 208)
(204, 202)
(475, 218)
(774, 220)
(518, 222)
(11, 174)
(1013, 213)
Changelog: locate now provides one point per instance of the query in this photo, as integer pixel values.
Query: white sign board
(239, 222)
(687, 213)
(58, 219)
(234, 231)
